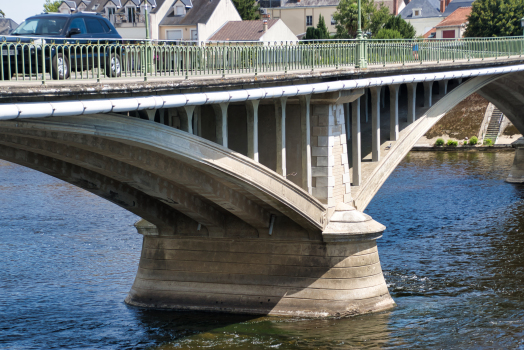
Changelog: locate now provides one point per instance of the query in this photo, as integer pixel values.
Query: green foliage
(248, 9)
(465, 142)
(52, 5)
(452, 143)
(488, 142)
(439, 142)
(397, 23)
(473, 141)
(320, 32)
(2, 14)
(372, 17)
(387, 34)
(495, 18)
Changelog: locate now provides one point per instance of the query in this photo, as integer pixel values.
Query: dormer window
(417, 12)
(180, 10)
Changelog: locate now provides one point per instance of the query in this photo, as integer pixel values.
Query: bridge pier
(516, 174)
(338, 274)
(412, 102)
(428, 93)
(393, 112)
(375, 123)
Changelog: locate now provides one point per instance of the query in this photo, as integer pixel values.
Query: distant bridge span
(249, 195)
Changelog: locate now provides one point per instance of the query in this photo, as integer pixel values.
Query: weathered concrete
(516, 174)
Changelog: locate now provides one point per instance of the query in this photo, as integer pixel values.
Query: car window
(105, 26)
(41, 26)
(78, 23)
(94, 26)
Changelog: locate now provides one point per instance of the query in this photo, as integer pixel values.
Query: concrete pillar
(355, 143)
(366, 105)
(280, 118)
(443, 87)
(459, 81)
(393, 112)
(412, 102)
(221, 123)
(163, 114)
(305, 123)
(151, 114)
(330, 168)
(428, 93)
(375, 123)
(383, 97)
(186, 118)
(516, 174)
(197, 121)
(252, 129)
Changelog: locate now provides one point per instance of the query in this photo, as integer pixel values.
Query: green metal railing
(41, 59)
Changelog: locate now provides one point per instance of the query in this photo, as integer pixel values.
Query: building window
(96, 7)
(131, 14)
(173, 34)
(180, 10)
(309, 20)
(333, 22)
(417, 12)
(110, 11)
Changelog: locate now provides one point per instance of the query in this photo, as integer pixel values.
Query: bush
(488, 142)
(439, 142)
(473, 141)
(452, 143)
(465, 142)
(384, 33)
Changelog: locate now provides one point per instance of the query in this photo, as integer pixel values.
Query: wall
(459, 31)
(279, 32)
(186, 31)
(295, 18)
(133, 32)
(423, 25)
(224, 12)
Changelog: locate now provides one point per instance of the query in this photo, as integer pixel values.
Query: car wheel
(114, 65)
(61, 67)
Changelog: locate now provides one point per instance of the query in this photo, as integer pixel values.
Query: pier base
(516, 174)
(261, 276)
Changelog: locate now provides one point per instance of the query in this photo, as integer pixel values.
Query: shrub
(439, 142)
(465, 142)
(473, 141)
(488, 142)
(452, 143)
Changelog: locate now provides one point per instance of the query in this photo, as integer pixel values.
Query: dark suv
(60, 44)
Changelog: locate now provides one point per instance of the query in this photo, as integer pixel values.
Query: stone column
(443, 87)
(221, 123)
(305, 123)
(355, 142)
(412, 102)
(375, 123)
(393, 112)
(280, 117)
(516, 174)
(428, 93)
(330, 169)
(252, 129)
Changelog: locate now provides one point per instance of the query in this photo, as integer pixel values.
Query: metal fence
(24, 59)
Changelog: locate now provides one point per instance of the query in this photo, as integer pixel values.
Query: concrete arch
(210, 183)
(486, 85)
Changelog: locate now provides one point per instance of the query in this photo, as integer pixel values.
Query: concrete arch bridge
(251, 192)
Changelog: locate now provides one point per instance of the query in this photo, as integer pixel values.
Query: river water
(453, 258)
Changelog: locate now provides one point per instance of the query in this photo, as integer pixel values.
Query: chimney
(265, 25)
(447, 2)
(443, 5)
(395, 7)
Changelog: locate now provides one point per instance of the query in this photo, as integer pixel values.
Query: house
(298, 15)
(268, 32)
(451, 6)
(196, 19)
(128, 16)
(73, 6)
(7, 25)
(422, 14)
(454, 25)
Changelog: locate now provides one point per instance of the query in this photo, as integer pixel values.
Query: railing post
(361, 59)
(43, 62)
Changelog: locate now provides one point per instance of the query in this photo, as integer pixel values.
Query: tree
(248, 9)
(385, 33)
(2, 14)
(52, 5)
(372, 17)
(398, 24)
(495, 18)
(320, 32)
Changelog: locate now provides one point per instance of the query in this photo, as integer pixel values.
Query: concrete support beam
(443, 87)
(393, 112)
(383, 97)
(186, 118)
(428, 93)
(151, 114)
(280, 118)
(221, 123)
(375, 123)
(412, 102)
(516, 174)
(252, 129)
(355, 143)
(365, 105)
(305, 126)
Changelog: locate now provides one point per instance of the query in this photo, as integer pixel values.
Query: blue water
(453, 258)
